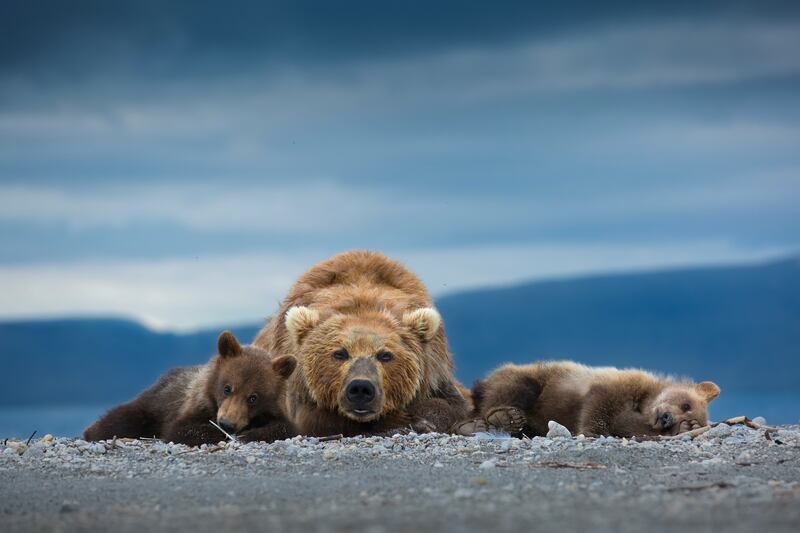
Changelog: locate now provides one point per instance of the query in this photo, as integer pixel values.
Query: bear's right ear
(284, 365)
(424, 322)
(708, 389)
(227, 345)
(299, 321)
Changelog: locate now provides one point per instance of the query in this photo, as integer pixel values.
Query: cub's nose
(360, 392)
(226, 425)
(666, 420)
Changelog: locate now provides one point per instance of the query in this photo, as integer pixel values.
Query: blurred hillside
(738, 326)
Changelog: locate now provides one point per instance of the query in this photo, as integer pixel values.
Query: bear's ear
(299, 321)
(284, 365)
(423, 322)
(708, 390)
(227, 345)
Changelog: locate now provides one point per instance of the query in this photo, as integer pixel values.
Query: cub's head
(362, 366)
(682, 402)
(247, 384)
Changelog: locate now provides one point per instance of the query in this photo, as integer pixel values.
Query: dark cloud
(44, 40)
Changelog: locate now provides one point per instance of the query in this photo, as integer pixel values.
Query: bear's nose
(226, 425)
(666, 420)
(360, 391)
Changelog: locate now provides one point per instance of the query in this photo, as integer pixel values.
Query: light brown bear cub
(594, 401)
(242, 388)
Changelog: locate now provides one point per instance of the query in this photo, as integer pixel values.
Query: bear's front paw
(468, 428)
(509, 419)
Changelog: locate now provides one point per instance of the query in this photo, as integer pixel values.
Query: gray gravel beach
(733, 478)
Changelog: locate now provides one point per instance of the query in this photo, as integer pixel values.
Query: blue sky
(181, 163)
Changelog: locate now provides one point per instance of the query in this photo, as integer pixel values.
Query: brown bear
(372, 350)
(241, 388)
(594, 401)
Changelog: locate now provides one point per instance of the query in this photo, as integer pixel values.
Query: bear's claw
(509, 419)
(468, 428)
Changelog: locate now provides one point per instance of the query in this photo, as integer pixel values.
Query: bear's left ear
(424, 322)
(284, 365)
(299, 321)
(708, 390)
(227, 345)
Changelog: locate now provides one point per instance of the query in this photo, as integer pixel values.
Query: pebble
(488, 464)
(717, 432)
(556, 430)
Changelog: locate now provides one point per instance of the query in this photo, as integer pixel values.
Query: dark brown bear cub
(594, 401)
(242, 388)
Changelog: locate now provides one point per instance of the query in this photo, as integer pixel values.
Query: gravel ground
(732, 477)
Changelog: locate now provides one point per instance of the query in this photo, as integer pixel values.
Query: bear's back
(348, 283)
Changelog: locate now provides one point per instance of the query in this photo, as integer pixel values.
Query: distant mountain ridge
(739, 326)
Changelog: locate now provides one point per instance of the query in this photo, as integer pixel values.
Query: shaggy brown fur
(372, 351)
(592, 401)
(242, 388)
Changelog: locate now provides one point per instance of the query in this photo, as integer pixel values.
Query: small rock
(328, 455)
(463, 494)
(250, 459)
(437, 464)
(556, 430)
(97, 448)
(760, 421)
(69, 507)
(717, 432)
(488, 464)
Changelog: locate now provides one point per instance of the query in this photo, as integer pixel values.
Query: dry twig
(231, 437)
(330, 437)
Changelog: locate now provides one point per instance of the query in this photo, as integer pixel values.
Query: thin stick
(231, 437)
(30, 438)
(330, 437)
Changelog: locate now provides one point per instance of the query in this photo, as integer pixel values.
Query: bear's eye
(686, 407)
(385, 357)
(341, 355)
(252, 399)
(226, 390)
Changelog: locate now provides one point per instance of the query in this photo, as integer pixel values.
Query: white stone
(556, 430)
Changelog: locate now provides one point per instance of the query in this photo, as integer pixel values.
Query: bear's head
(246, 384)
(682, 402)
(362, 365)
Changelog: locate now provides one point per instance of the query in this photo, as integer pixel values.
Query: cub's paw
(468, 428)
(509, 419)
(420, 425)
(688, 425)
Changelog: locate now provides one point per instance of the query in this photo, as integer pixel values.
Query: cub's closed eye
(226, 390)
(341, 355)
(252, 399)
(385, 357)
(686, 407)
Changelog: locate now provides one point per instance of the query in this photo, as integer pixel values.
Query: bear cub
(594, 401)
(242, 388)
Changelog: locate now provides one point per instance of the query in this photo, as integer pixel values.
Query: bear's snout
(666, 420)
(227, 425)
(361, 396)
(360, 392)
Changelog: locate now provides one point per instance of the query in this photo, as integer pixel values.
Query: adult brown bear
(372, 352)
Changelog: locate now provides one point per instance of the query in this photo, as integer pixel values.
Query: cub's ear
(708, 390)
(227, 345)
(424, 322)
(284, 365)
(299, 321)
